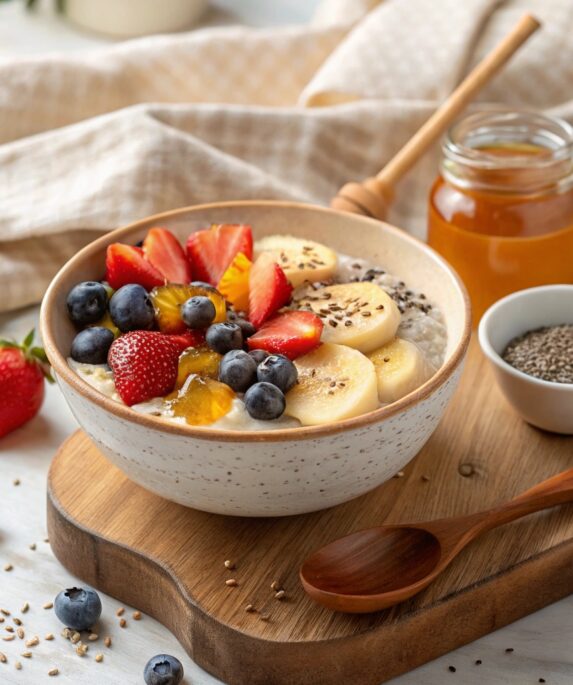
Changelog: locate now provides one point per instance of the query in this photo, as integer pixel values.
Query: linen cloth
(89, 142)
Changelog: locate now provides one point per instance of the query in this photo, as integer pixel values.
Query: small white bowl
(541, 403)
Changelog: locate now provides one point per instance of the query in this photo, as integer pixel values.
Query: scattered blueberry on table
(163, 669)
(78, 608)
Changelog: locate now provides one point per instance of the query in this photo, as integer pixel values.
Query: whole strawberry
(144, 364)
(22, 372)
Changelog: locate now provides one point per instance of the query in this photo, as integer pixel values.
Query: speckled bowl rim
(67, 375)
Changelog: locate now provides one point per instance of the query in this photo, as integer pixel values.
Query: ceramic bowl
(541, 403)
(275, 472)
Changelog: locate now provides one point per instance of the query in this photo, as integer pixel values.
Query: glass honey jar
(501, 209)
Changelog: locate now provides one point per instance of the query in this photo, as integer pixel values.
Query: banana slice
(301, 260)
(335, 382)
(400, 368)
(361, 315)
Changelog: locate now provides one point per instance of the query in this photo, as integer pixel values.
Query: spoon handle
(549, 493)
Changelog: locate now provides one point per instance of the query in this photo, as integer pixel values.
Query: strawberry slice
(292, 333)
(212, 250)
(126, 264)
(269, 289)
(162, 249)
(144, 365)
(188, 339)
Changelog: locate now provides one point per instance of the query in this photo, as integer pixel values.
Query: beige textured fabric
(91, 142)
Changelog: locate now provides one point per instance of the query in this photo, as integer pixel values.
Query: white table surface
(542, 642)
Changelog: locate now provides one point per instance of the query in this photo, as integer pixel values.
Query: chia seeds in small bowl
(545, 353)
(528, 338)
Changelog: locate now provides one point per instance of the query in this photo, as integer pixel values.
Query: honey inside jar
(501, 210)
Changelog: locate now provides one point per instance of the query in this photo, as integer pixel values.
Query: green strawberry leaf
(9, 343)
(29, 339)
(40, 354)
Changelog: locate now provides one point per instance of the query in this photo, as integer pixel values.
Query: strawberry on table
(144, 364)
(22, 372)
(291, 333)
(269, 289)
(212, 250)
(127, 264)
(162, 249)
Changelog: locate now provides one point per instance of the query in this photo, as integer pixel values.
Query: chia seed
(545, 353)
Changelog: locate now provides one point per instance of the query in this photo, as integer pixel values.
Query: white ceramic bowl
(542, 403)
(269, 473)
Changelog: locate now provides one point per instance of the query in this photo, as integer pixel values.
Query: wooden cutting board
(169, 561)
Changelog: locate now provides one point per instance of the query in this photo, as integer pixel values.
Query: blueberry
(198, 312)
(265, 401)
(278, 370)
(77, 608)
(224, 337)
(91, 345)
(259, 355)
(87, 302)
(131, 308)
(247, 328)
(238, 370)
(163, 669)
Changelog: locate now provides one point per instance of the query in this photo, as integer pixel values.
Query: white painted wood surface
(542, 643)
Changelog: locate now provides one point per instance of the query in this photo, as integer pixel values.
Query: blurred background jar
(501, 209)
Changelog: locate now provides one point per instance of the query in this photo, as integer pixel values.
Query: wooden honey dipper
(373, 195)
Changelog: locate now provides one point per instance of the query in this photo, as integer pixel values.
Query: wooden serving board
(169, 561)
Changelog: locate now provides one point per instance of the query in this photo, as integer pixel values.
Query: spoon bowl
(376, 568)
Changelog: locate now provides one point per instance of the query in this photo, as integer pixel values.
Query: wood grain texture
(168, 560)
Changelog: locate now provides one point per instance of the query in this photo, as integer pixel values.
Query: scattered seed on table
(1, 619)
(21, 634)
(32, 547)
(92, 637)
(137, 615)
(25, 608)
(26, 655)
(478, 662)
(8, 567)
(8, 638)
(46, 539)
(400, 474)
(229, 564)
(53, 671)
(264, 617)
(122, 623)
(10, 629)
(49, 636)
(81, 649)
(18, 666)
(75, 638)
(509, 650)
(3, 658)
(48, 605)
(66, 633)
(16, 482)
(231, 582)
(99, 658)
(16, 621)
(281, 594)
(107, 641)
(452, 669)
(541, 680)
(250, 608)
(5, 612)
(120, 611)
(275, 586)
(33, 641)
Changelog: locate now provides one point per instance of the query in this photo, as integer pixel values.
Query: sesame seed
(452, 669)
(509, 650)
(18, 666)
(348, 322)
(107, 641)
(17, 482)
(75, 638)
(48, 605)
(250, 608)
(17, 621)
(478, 662)
(332, 323)
(20, 633)
(25, 608)
(92, 637)
(137, 615)
(26, 655)
(53, 672)
(231, 582)
(81, 649)
(99, 658)
(366, 313)
(10, 629)
(120, 612)
(32, 547)
(281, 594)
(122, 623)
(8, 567)
(264, 617)
(275, 585)
(3, 658)
(229, 564)
(49, 636)
(8, 638)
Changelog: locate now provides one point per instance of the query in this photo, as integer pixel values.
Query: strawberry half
(22, 372)
(292, 333)
(188, 339)
(162, 249)
(269, 289)
(212, 250)
(126, 264)
(144, 364)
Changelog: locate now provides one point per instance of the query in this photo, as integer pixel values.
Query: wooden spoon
(379, 567)
(372, 196)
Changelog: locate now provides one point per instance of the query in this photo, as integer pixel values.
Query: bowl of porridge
(257, 358)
